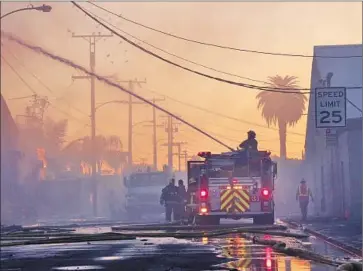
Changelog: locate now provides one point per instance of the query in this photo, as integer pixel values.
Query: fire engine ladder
(248, 165)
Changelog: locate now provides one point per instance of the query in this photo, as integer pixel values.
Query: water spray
(42, 51)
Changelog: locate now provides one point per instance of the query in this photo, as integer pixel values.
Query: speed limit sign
(330, 107)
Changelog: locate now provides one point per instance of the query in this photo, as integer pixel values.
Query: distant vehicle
(143, 193)
(231, 185)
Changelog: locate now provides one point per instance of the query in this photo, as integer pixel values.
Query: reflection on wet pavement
(79, 267)
(162, 254)
(245, 256)
(145, 254)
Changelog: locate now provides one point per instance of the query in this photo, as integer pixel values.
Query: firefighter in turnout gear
(169, 198)
(182, 200)
(250, 143)
(303, 195)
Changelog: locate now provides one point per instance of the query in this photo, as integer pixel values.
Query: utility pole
(170, 132)
(179, 153)
(171, 128)
(155, 143)
(131, 102)
(184, 154)
(92, 39)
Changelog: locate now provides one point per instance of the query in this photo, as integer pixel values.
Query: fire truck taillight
(203, 208)
(268, 259)
(203, 193)
(265, 192)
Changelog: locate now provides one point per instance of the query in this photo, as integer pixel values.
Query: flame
(105, 168)
(42, 158)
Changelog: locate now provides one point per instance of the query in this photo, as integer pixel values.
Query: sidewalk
(343, 231)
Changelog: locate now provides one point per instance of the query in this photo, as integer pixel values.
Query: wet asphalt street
(161, 254)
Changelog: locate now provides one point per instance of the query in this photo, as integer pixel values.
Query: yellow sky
(276, 27)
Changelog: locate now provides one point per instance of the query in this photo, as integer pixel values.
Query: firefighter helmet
(251, 134)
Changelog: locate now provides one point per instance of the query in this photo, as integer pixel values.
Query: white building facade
(334, 166)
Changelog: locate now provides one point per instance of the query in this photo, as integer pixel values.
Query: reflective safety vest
(303, 192)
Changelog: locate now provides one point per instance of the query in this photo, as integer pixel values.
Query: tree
(107, 148)
(40, 134)
(55, 133)
(281, 108)
(114, 154)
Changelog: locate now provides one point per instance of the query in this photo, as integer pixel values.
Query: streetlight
(141, 122)
(43, 8)
(110, 102)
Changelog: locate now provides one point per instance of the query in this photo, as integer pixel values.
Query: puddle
(110, 258)
(79, 267)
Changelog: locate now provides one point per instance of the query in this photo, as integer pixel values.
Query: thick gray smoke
(70, 63)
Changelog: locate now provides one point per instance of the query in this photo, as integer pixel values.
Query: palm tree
(281, 108)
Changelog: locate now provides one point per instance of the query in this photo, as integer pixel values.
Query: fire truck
(143, 190)
(233, 185)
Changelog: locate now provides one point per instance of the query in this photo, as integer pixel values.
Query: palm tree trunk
(282, 135)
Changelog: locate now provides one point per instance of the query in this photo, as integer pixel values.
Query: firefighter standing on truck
(250, 143)
(169, 198)
(303, 195)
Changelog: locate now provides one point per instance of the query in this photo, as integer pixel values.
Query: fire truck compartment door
(194, 170)
(223, 198)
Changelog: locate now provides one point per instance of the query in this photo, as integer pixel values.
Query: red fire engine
(234, 185)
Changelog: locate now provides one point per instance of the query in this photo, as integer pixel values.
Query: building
(9, 160)
(333, 161)
(9, 145)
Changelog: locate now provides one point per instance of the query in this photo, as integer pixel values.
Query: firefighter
(169, 198)
(250, 143)
(182, 198)
(303, 195)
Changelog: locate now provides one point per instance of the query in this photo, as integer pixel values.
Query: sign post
(331, 138)
(330, 107)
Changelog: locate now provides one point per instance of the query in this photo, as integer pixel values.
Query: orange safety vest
(303, 191)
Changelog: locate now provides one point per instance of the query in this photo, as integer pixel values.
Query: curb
(347, 248)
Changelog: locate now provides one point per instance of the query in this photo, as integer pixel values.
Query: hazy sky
(275, 27)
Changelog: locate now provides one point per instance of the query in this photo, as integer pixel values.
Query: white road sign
(330, 107)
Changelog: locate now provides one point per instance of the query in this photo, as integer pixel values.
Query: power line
(68, 62)
(196, 63)
(39, 80)
(33, 91)
(280, 90)
(18, 75)
(244, 132)
(216, 45)
(220, 114)
(270, 89)
(174, 55)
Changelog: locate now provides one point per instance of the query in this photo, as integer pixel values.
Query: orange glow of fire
(42, 158)
(105, 169)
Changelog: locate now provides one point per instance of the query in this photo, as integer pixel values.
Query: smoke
(70, 63)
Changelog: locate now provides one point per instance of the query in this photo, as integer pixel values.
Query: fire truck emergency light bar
(204, 154)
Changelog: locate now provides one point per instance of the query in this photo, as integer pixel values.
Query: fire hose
(353, 266)
(71, 238)
(244, 232)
